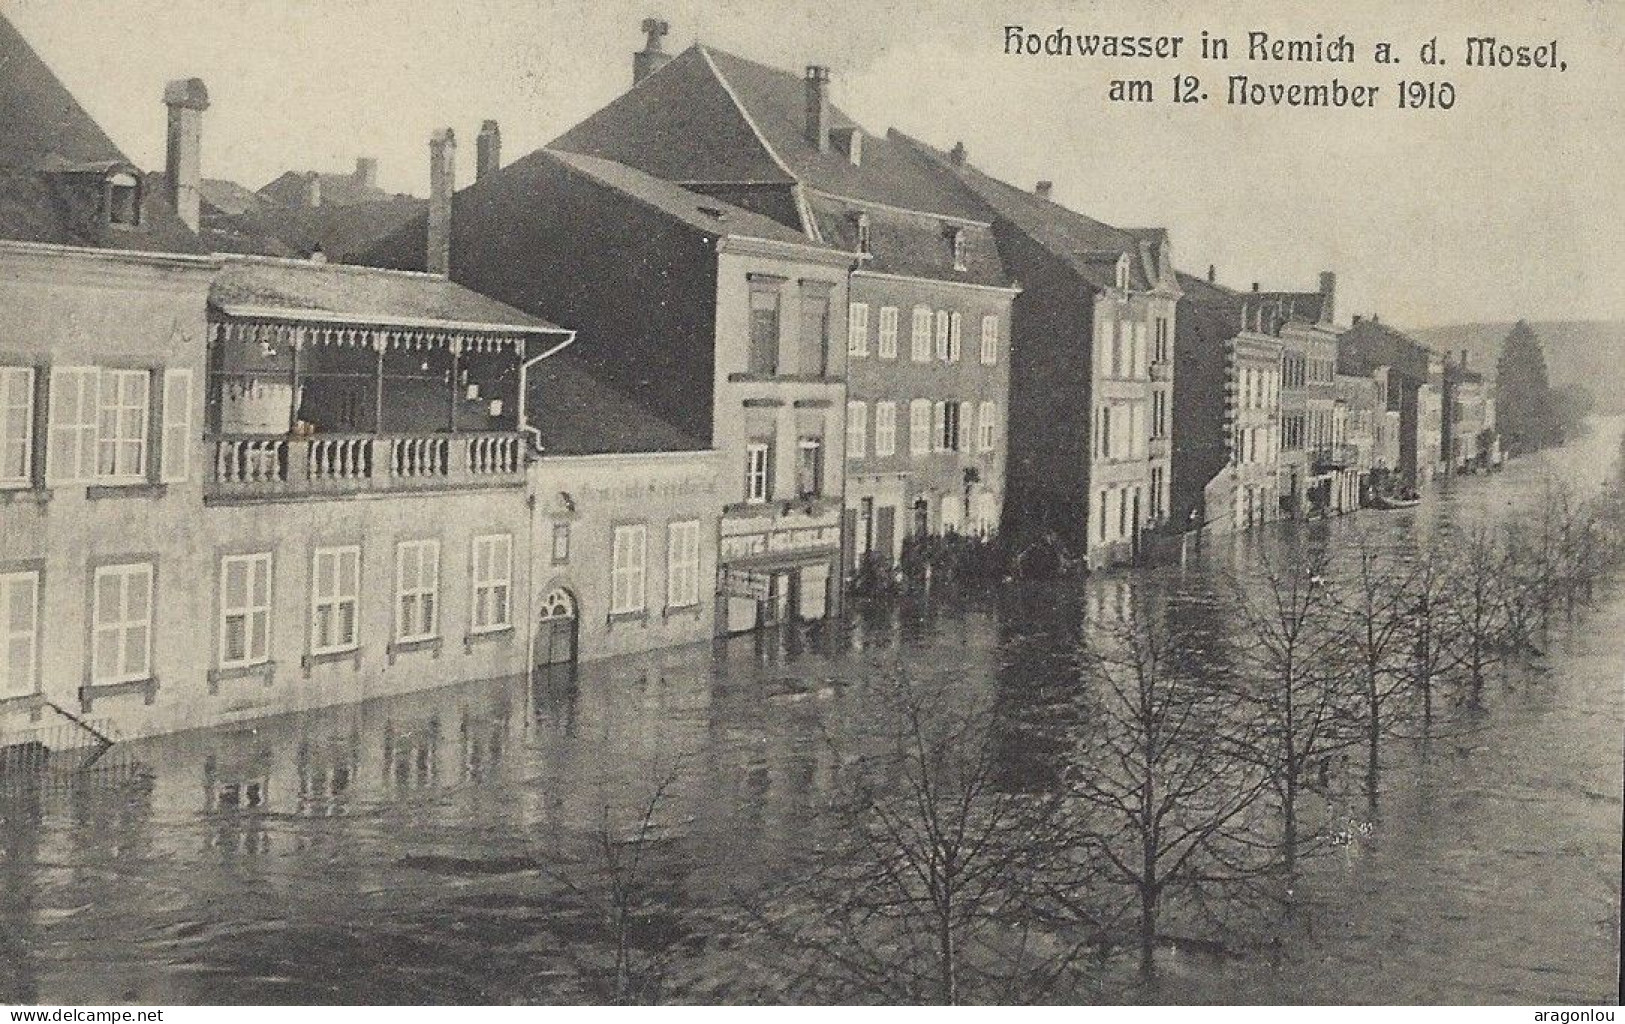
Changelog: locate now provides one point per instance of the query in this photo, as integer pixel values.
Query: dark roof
(1369, 344)
(227, 197)
(1303, 307)
(290, 189)
(44, 124)
(1089, 247)
(692, 208)
(577, 414)
(910, 244)
(340, 232)
(1209, 313)
(710, 116)
(54, 160)
(359, 295)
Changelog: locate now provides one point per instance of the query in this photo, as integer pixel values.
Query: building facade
(1468, 436)
(929, 312)
(1415, 390)
(1312, 459)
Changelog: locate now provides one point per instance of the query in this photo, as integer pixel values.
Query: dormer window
(1122, 272)
(956, 239)
(123, 199)
(865, 240)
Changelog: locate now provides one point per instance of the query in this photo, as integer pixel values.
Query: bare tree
(942, 883)
(1292, 647)
(1371, 602)
(1426, 635)
(1163, 784)
(1477, 609)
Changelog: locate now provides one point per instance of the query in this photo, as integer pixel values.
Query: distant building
(1311, 460)
(1415, 391)
(1226, 411)
(1092, 369)
(1469, 438)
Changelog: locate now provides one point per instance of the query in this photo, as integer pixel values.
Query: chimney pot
(817, 127)
(1255, 286)
(653, 56)
(1044, 189)
(1328, 296)
(442, 185)
(1212, 274)
(487, 150)
(187, 99)
(1358, 319)
(366, 171)
(957, 155)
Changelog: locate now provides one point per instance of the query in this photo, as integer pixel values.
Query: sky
(1508, 205)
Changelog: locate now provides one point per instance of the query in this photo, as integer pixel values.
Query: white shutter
(857, 329)
(19, 633)
(16, 425)
(966, 419)
(857, 429)
(939, 425)
(176, 454)
(71, 457)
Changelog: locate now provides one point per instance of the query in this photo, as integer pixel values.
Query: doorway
(556, 630)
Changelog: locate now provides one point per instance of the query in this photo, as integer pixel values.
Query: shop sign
(809, 538)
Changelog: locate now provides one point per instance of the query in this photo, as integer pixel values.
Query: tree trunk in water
(1373, 736)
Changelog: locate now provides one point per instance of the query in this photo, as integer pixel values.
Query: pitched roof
(711, 116)
(1305, 307)
(54, 159)
(577, 414)
(302, 289)
(290, 188)
(1369, 344)
(340, 232)
(911, 244)
(1090, 247)
(695, 209)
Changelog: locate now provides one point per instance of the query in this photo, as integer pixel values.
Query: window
(417, 589)
(1104, 433)
(1159, 413)
(920, 338)
(857, 329)
(857, 430)
(1137, 446)
(963, 425)
(1105, 497)
(758, 472)
(245, 610)
(1139, 349)
(990, 340)
(19, 633)
(16, 425)
(865, 236)
(986, 426)
(956, 241)
(335, 584)
(919, 427)
(764, 329)
(1161, 351)
(1122, 272)
(493, 583)
(683, 564)
(561, 543)
(943, 324)
(628, 571)
(121, 645)
(809, 467)
(940, 435)
(885, 428)
(72, 431)
(176, 450)
(886, 346)
(121, 425)
(815, 330)
(953, 508)
(1156, 492)
(955, 324)
(1108, 349)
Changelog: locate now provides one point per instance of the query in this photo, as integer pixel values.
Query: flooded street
(437, 848)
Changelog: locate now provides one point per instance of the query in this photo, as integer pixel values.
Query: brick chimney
(817, 126)
(1212, 274)
(186, 99)
(366, 171)
(1044, 189)
(487, 150)
(1328, 296)
(442, 184)
(652, 57)
(956, 156)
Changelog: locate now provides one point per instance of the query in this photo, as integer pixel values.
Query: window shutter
(966, 419)
(72, 429)
(177, 435)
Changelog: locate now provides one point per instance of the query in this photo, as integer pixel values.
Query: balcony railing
(259, 466)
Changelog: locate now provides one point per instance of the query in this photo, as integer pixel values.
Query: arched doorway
(556, 629)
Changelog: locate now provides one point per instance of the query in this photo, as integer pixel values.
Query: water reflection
(440, 847)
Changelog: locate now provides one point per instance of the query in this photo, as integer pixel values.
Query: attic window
(865, 239)
(1122, 272)
(956, 238)
(123, 199)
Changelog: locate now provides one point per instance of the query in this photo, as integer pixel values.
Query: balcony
(1162, 371)
(1330, 457)
(258, 466)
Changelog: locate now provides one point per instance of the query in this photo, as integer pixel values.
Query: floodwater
(442, 847)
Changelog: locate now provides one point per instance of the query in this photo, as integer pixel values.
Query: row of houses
(680, 374)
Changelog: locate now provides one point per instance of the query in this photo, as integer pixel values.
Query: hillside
(1588, 352)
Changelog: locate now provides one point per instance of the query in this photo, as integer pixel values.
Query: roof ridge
(744, 112)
